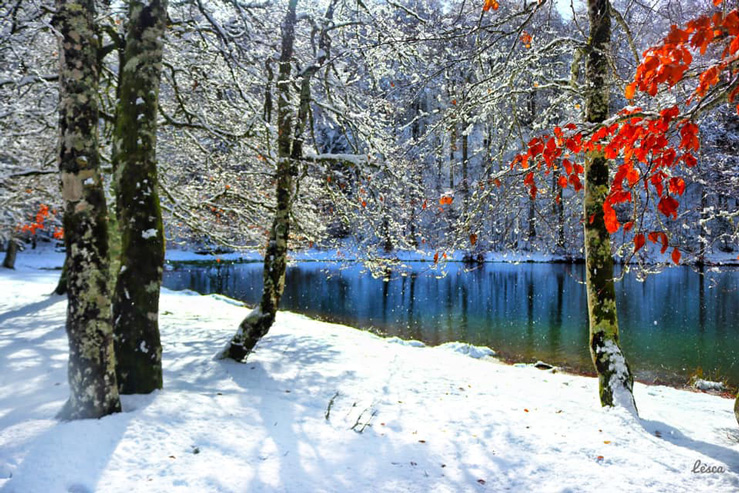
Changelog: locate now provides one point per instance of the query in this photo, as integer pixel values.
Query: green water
(673, 324)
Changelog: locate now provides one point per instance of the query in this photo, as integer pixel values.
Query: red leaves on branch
(645, 147)
(641, 142)
(490, 4)
(689, 137)
(38, 222)
(668, 62)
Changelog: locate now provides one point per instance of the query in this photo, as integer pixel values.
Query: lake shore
(47, 258)
(322, 407)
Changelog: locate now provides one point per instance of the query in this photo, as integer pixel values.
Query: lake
(672, 325)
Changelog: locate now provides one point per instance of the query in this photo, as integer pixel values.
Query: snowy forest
(581, 156)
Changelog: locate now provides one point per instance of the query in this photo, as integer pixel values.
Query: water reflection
(671, 324)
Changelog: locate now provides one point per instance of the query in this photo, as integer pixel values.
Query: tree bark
(258, 322)
(136, 299)
(615, 378)
(92, 379)
(61, 286)
(10, 253)
(465, 173)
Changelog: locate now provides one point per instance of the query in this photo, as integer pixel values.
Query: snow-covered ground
(322, 407)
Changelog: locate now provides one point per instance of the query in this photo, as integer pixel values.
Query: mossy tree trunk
(615, 378)
(92, 378)
(136, 300)
(258, 322)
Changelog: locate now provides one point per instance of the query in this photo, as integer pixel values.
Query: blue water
(672, 325)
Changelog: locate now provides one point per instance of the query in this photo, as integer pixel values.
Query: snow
(149, 233)
(350, 252)
(468, 349)
(708, 385)
(431, 418)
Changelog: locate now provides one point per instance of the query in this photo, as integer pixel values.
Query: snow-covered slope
(322, 407)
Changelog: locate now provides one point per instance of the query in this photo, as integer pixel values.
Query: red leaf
(668, 206)
(629, 92)
(473, 239)
(632, 176)
(656, 236)
(575, 181)
(676, 256)
(638, 242)
(609, 216)
(677, 185)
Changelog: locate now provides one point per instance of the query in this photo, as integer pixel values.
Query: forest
(409, 137)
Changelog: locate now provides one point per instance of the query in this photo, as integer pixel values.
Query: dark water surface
(671, 325)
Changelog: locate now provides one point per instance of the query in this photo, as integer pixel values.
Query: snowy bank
(322, 407)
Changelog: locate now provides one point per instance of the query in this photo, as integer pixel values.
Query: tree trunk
(615, 378)
(92, 379)
(10, 253)
(558, 211)
(136, 300)
(532, 201)
(61, 286)
(452, 150)
(531, 222)
(465, 173)
(258, 322)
